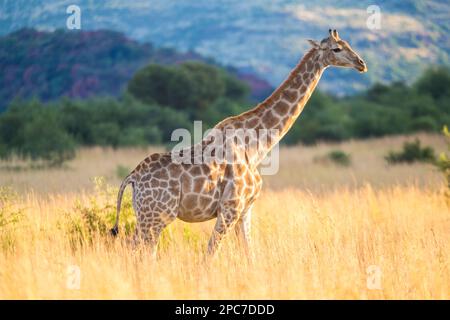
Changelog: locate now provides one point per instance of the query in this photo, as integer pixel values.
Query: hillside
(81, 64)
(266, 37)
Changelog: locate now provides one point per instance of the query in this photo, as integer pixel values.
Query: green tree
(207, 83)
(33, 130)
(152, 84)
(44, 138)
(192, 87)
(435, 82)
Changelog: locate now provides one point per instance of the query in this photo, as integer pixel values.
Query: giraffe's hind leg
(149, 231)
(152, 217)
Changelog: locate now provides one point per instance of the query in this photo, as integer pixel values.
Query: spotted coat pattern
(164, 190)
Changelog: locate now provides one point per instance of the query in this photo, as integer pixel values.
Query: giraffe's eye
(337, 49)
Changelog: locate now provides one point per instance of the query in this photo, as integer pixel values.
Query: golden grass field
(319, 232)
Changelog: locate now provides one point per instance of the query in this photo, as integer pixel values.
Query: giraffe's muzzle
(361, 67)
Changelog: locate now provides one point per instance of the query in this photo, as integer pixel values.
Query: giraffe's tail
(115, 230)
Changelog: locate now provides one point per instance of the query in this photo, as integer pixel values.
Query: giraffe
(196, 191)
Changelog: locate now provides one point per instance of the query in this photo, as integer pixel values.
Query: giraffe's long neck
(280, 110)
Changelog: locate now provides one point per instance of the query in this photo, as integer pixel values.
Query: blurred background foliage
(58, 94)
(160, 99)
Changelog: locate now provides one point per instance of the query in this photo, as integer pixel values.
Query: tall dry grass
(312, 238)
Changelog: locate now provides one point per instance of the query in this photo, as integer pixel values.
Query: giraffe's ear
(314, 44)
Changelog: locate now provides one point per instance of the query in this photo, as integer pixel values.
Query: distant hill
(266, 37)
(81, 64)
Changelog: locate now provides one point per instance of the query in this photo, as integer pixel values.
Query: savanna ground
(320, 231)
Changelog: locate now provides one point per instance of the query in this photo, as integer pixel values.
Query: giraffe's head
(337, 52)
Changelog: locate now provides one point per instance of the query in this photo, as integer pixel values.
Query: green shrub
(443, 163)
(94, 219)
(10, 215)
(122, 171)
(336, 157)
(339, 157)
(411, 152)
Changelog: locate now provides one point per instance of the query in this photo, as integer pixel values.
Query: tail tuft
(114, 231)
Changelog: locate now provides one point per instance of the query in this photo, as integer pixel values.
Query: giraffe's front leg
(226, 220)
(243, 228)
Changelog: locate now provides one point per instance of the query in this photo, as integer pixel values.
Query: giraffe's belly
(197, 208)
(199, 197)
(196, 217)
